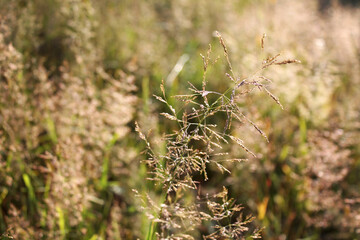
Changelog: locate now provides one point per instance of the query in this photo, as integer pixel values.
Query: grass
(193, 146)
(239, 143)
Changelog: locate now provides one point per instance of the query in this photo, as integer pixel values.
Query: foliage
(75, 76)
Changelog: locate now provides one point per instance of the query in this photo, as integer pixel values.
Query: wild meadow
(231, 119)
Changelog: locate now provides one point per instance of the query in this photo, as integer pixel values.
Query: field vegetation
(231, 119)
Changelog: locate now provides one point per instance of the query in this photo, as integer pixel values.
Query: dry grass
(75, 75)
(59, 126)
(195, 145)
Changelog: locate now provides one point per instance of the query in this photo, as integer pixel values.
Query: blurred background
(76, 74)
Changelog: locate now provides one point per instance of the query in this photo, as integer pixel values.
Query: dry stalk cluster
(59, 124)
(196, 144)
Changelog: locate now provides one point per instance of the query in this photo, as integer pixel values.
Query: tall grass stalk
(196, 144)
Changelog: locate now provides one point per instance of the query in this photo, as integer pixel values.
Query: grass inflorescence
(195, 144)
